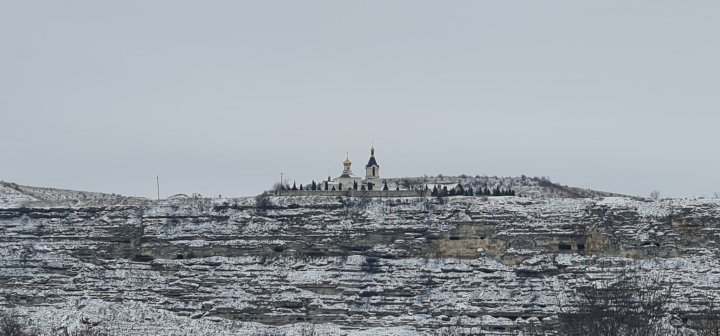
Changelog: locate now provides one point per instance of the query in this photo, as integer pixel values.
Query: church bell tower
(372, 169)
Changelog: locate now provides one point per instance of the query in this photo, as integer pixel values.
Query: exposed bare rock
(348, 266)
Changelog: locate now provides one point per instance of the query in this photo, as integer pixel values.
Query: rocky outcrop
(347, 266)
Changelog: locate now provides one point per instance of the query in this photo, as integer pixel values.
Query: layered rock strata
(347, 266)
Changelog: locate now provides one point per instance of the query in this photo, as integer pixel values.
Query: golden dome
(347, 162)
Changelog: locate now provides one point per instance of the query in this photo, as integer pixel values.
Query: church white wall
(369, 174)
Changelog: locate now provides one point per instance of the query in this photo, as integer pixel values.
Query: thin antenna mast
(157, 179)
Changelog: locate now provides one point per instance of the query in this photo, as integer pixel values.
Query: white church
(348, 181)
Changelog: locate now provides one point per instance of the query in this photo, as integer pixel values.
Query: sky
(221, 97)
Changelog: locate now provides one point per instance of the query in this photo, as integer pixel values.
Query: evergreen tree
(313, 186)
(333, 188)
(354, 185)
(339, 186)
(459, 190)
(434, 191)
(326, 185)
(362, 187)
(469, 192)
(443, 192)
(301, 187)
(397, 186)
(496, 192)
(294, 186)
(452, 192)
(385, 187)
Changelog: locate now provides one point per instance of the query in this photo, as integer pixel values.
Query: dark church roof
(372, 162)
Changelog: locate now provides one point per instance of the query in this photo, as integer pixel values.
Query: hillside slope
(14, 195)
(523, 185)
(353, 266)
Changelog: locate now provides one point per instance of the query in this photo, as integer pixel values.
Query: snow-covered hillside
(343, 266)
(523, 185)
(12, 197)
(15, 195)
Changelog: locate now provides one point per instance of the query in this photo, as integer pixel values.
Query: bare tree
(708, 322)
(621, 307)
(533, 328)
(87, 330)
(277, 186)
(453, 330)
(448, 331)
(308, 329)
(11, 325)
(412, 183)
(655, 195)
(263, 201)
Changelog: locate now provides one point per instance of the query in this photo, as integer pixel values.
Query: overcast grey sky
(220, 97)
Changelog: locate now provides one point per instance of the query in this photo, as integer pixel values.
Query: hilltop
(15, 195)
(523, 185)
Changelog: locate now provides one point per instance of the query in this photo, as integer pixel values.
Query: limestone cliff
(355, 266)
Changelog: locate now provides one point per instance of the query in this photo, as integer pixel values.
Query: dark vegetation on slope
(465, 185)
(14, 325)
(625, 306)
(629, 306)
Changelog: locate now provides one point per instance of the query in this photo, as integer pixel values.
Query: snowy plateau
(345, 266)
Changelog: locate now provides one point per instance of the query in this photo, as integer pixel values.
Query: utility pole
(157, 179)
(281, 184)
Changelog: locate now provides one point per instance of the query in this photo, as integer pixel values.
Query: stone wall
(355, 193)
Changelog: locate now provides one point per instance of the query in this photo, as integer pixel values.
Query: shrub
(87, 330)
(655, 195)
(11, 325)
(449, 331)
(624, 307)
(308, 329)
(370, 265)
(263, 201)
